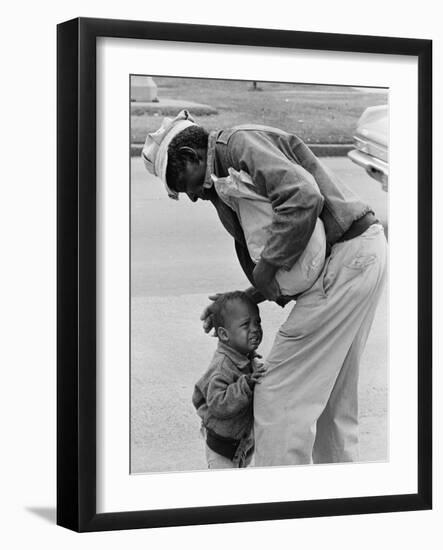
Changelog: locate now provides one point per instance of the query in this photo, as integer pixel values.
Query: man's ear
(190, 154)
(222, 333)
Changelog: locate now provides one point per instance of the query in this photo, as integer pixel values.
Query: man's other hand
(264, 279)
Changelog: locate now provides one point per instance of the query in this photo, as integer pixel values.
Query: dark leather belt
(224, 446)
(359, 227)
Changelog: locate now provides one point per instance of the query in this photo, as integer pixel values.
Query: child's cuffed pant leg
(216, 461)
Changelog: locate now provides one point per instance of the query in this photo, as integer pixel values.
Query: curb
(319, 149)
(330, 149)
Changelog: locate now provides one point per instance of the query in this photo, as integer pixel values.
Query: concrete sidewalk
(165, 427)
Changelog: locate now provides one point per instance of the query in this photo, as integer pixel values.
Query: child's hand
(258, 373)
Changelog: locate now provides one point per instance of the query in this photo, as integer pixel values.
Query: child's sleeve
(198, 398)
(226, 399)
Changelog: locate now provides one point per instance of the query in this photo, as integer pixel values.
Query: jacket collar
(241, 361)
(208, 183)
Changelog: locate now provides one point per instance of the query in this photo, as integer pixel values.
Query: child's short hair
(220, 306)
(193, 136)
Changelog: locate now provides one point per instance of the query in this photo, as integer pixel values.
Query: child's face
(243, 327)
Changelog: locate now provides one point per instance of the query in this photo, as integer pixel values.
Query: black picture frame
(76, 273)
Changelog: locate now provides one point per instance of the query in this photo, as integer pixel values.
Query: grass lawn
(318, 114)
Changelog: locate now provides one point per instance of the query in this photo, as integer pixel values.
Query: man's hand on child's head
(206, 315)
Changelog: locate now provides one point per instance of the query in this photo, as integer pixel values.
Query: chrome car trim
(371, 148)
(369, 163)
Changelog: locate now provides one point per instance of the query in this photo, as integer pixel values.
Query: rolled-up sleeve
(295, 199)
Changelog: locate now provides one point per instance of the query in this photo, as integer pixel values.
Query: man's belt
(358, 227)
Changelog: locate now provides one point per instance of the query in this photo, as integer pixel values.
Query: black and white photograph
(259, 259)
(221, 297)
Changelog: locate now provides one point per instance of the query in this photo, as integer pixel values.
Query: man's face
(192, 179)
(243, 327)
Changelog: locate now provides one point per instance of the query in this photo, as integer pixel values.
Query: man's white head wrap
(155, 149)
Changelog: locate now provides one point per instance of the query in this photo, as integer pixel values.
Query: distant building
(144, 89)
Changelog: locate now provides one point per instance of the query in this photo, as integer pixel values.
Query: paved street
(181, 254)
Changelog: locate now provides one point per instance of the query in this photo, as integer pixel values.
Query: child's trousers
(217, 461)
(306, 407)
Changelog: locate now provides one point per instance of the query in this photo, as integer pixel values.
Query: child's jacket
(223, 398)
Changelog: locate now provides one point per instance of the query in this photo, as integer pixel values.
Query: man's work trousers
(306, 407)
